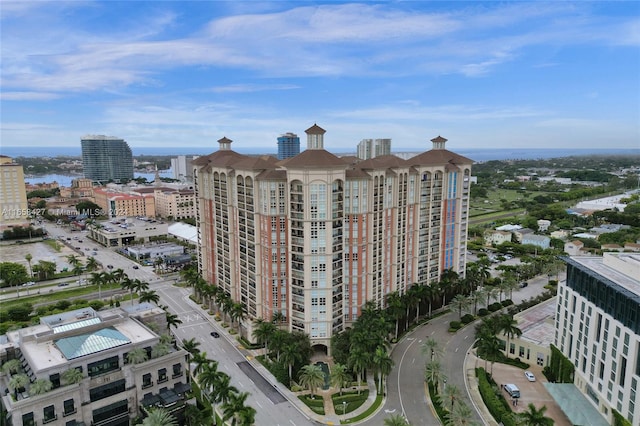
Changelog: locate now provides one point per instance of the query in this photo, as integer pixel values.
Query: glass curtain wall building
(106, 158)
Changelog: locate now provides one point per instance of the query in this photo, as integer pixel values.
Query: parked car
(529, 375)
(524, 284)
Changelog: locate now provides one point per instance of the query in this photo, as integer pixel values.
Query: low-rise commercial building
(104, 368)
(123, 232)
(155, 250)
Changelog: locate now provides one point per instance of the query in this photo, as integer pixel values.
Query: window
(49, 414)
(111, 410)
(146, 381)
(103, 366)
(162, 375)
(27, 419)
(69, 407)
(177, 370)
(107, 390)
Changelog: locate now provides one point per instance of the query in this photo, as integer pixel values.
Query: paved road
(407, 394)
(272, 408)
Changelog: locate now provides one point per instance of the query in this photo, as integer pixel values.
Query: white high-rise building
(371, 148)
(598, 329)
(182, 167)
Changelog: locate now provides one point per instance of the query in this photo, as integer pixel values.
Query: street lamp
(344, 407)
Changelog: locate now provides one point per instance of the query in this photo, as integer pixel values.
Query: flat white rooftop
(621, 268)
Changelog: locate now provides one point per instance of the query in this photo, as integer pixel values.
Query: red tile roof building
(315, 236)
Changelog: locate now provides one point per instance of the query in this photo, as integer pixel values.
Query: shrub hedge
(495, 405)
(466, 319)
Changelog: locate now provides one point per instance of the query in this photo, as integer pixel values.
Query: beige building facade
(175, 203)
(119, 204)
(315, 236)
(13, 195)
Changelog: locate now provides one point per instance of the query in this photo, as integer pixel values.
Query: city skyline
(162, 74)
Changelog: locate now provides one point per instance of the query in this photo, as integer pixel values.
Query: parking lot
(530, 392)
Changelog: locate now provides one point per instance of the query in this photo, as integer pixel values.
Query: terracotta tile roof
(438, 156)
(382, 162)
(315, 130)
(256, 163)
(224, 158)
(314, 158)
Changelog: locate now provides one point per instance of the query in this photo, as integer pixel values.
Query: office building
(316, 236)
(182, 167)
(112, 388)
(371, 148)
(597, 328)
(13, 195)
(106, 158)
(121, 204)
(288, 146)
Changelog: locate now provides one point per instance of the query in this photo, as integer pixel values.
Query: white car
(529, 375)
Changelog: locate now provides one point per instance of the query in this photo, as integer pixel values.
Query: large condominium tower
(316, 236)
(106, 158)
(370, 148)
(288, 146)
(13, 195)
(598, 329)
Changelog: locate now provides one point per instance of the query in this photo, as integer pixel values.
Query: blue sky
(164, 74)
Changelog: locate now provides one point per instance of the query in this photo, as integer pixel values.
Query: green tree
(396, 308)
(11, 367)
(149, 296)
(72, 376)
(137, 356)
(18, 382)
(433, 373)
(40, 386)
(262, 331)
(535, 417)
(452, 394)
(339, 376)
(222, 390)
(233, 407)
(396, 420)
(159, 416)
(290, 355)
(311, 377)
(358, 361)
(383, 364)
(173, 320)
(160, 350)
(28, 257)
(461, 415)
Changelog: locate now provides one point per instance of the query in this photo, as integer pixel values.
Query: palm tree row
(487, 341)
(215, 296)
(216, 386)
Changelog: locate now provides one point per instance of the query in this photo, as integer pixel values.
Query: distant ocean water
(474, 154)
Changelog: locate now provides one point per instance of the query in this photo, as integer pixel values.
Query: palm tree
(73, 260)
(431, 292)
(18, 381)
(200, 360)
(77, 269)
(173, 320)
(311, 377)
(262, 331)
(40, 386)
(246, 416)
(161, 349)
(452, 393)
(28, 257)
(277, 342)
(358, 361)
(149, 296)
(134, 286)
(208, 376)
(433, 374)
(461, 415)
(92, 264)
(396, 420)
(431, 348)
(383, 363)
(72, 376)
(460, 302)
(12, 366)
(46, 269)
(159, 416)
(509, 328)
(137, 356)
(290, 355)
(237, 312)
(395, 307)
(195, 416)
(191, 346)
(339, 376)
(233, 406)
(448, 281)
(222, 390)
(535, 417)
(278, 318)
(410, 300)
(488, 347)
